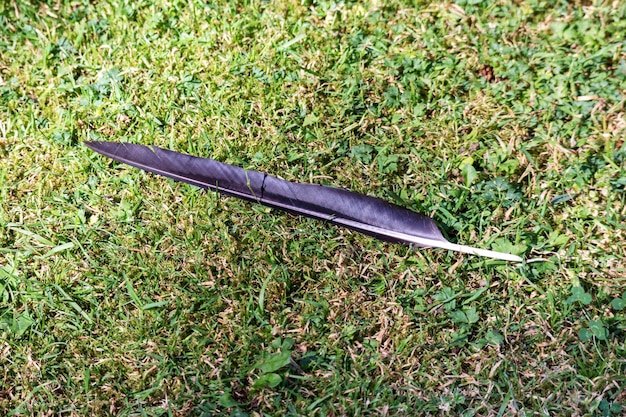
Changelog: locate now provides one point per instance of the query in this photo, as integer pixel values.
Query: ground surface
(123, 293)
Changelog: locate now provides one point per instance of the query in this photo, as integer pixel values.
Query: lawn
(124, 293)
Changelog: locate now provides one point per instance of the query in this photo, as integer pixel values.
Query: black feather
(369, 215)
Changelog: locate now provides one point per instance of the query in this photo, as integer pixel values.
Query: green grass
(122, 293)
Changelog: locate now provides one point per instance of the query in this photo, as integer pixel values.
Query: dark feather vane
(368, 215)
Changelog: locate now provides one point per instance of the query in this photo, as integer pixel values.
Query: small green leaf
(468, 171)
(579, 294)
(288, 343)
(226, 400)
(362, 153)
(585, 298)
(508, 166)
(274, 362)
(459, 338)
(472, 315)
(267, 380)
(584, 334)
(598, 330)
(557, 240)
(618, 303)
(503, 245)
(310, 119)
(468, 316)
(448, 297)
(494, 338)
(22, 323)
(458, 316)
(387, 163)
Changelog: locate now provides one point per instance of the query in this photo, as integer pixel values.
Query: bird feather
(369, 215)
